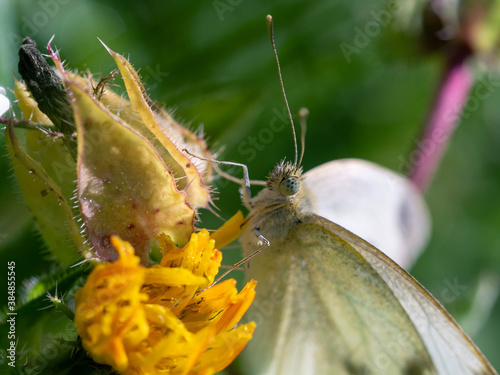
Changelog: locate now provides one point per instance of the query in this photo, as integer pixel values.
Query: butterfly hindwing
(373, 202)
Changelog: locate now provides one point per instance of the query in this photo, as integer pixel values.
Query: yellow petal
(109, 313)
(230, 231)
(225, 348)
(239, 305)
(173, 277)
(146, 326)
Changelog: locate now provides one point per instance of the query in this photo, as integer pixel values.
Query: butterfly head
(285, 178)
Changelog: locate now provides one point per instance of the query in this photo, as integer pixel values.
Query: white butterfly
(328, 302)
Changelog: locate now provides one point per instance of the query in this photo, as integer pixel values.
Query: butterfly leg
(245, 259)
(264, 240)
(265, 243)
(247, 194)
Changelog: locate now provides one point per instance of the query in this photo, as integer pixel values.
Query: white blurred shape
(375, 203)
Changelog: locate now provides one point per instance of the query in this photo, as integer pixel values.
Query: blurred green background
(211, 62)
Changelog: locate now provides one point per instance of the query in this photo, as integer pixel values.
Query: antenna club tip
(269, 23)
(303, 112)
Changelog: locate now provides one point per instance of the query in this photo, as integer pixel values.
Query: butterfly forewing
(323, 309)
(451, 350)
(328, 302)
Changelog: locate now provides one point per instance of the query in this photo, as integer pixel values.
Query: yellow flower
(154, 321)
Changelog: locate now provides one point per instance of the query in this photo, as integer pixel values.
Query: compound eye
(290, 185)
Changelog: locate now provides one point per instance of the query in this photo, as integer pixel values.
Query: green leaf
(52, 153)
(47, 203)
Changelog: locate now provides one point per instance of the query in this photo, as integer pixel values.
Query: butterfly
(330, 302)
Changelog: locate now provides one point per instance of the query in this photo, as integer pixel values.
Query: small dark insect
(47, 89)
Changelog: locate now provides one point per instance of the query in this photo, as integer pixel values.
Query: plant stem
(444, 117)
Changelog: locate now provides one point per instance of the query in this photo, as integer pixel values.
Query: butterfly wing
(451, 350)
(377, 204)
(330, 303)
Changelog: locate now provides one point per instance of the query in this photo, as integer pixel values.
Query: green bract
(130, 173)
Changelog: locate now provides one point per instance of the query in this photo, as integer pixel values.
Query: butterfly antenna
(270, 31)
(303, 113)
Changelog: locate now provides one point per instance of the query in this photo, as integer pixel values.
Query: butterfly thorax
(280, 206)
